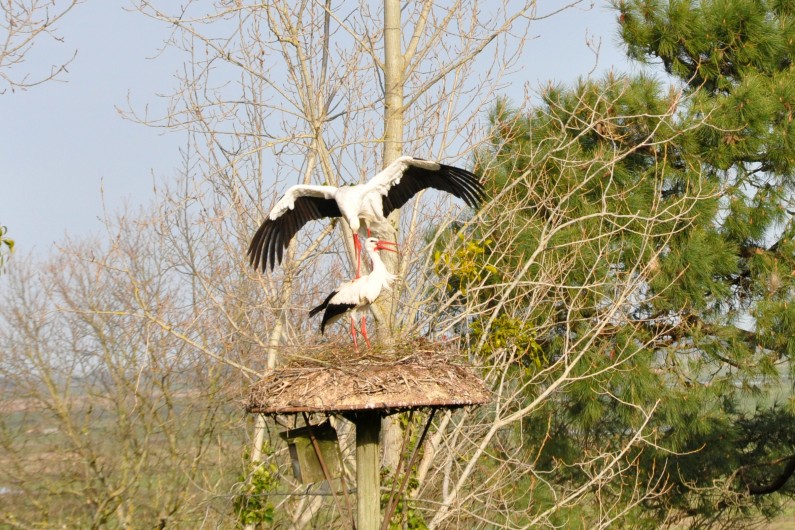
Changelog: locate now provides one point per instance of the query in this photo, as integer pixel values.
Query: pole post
(368, 476)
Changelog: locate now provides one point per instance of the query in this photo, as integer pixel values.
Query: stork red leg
(353, 335)
(357, 245)
(364, 331)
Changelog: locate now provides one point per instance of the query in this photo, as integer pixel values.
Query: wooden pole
(368, 477)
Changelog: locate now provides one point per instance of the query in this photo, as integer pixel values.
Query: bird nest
(329, 378)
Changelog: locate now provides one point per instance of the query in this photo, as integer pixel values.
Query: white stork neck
(378, 264)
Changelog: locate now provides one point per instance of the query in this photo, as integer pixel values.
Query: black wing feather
(274, 235)
(333, 310)
(456, 181)
(314, 311)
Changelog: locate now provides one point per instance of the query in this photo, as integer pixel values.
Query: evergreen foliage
(684, 193)
(6, 246)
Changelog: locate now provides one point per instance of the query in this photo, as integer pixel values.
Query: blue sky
(67, 154)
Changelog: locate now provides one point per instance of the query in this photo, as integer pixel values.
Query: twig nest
(332, 378)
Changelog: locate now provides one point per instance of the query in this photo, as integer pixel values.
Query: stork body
(356, 296)
(370, 202)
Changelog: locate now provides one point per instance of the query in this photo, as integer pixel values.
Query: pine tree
(687, 192)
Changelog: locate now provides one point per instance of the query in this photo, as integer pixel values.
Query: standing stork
(371, 202)
(357, 295)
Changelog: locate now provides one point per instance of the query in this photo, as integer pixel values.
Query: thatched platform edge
(391, 407)
(422, 379)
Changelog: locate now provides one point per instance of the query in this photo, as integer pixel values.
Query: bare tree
(109, 419)
(297, 108)
(330, 92)
(474, 472)
(283, 92)
(23, 24)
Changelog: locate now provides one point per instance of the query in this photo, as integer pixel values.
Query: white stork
(357, 295)
(372, 202)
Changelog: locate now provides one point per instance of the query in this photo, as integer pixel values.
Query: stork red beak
(386, 245)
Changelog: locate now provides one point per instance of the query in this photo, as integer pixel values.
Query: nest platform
(328, 378)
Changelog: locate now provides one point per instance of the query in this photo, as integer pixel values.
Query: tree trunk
(393, 148)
